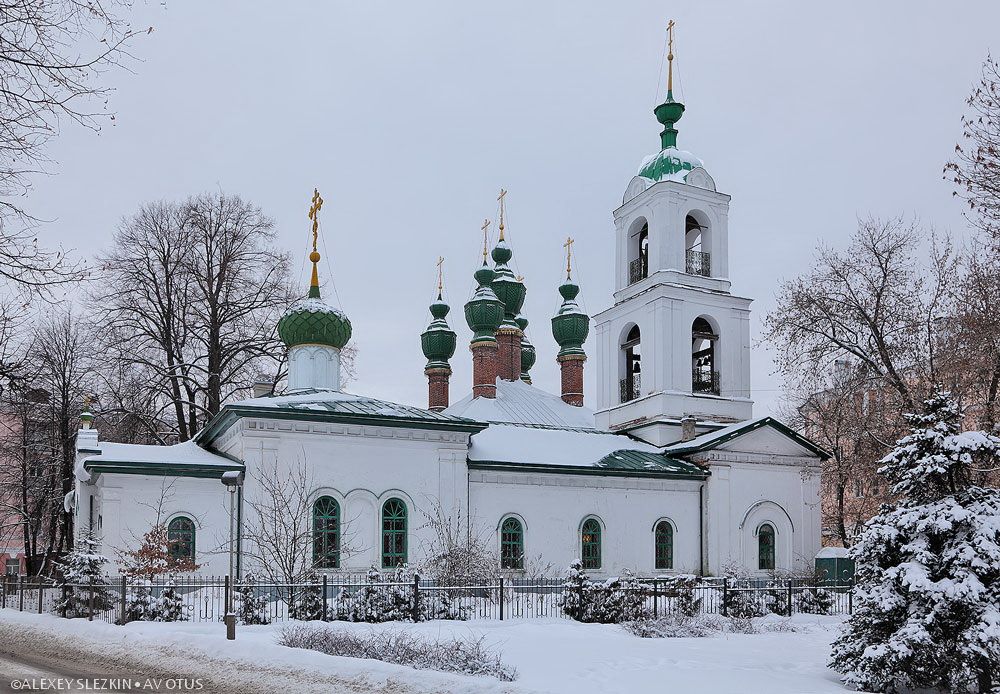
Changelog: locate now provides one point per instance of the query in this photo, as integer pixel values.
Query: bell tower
(676, 343)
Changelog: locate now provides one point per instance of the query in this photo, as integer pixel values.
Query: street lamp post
(233, 481)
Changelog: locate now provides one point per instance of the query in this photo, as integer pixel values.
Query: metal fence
(204, 597)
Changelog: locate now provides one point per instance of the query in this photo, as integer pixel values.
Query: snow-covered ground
(550, 656)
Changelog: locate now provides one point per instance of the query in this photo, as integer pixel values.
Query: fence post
(90, 599)
(850, 598)
(656, 595)
(41, 588)
(501, 597)
(725, 596)
(124, 619)
(416, 597)
(4, 598)
(789, 598)
(62, 603)
(324, 617)
(20, 593)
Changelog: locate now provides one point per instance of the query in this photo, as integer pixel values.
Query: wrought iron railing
(703, 381)
(699, 263)
(629, 387)
(638, 269)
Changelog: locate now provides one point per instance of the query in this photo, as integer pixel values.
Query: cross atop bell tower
(676, 342)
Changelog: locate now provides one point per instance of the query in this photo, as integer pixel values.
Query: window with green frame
(664, 545)
(511, 544)
(765, 547)
(393, 533)
(326, 533)
(180, 539)
(590, 544)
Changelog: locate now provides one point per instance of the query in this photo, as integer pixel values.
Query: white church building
(669, 472)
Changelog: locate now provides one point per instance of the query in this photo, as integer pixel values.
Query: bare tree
(875, 303)
(191, 296)
(458, 549)
(278, 533)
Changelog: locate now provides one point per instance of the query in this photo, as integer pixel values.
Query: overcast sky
(410, 116)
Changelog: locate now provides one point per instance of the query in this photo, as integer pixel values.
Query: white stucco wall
(553, 508)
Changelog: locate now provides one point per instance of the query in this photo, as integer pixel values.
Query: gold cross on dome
(440, 263)
(670, 56)
(569, 250)
(500, 199)
(317, 205)
(486, 225)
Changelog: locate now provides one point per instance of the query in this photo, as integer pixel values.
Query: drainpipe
(701, 529)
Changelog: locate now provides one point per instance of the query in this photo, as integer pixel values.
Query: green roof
(649, 462)
(717, 438)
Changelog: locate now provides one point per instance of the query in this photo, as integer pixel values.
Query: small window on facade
(765, 547)
(12, 567)
(511, 544)
(590, 541)
(393, 534)
(181, 539)
(664, 545)
(326, 533)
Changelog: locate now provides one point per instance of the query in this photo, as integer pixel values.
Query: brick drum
(437, 388)
(484, 369)
(571, 368)
(509, 354)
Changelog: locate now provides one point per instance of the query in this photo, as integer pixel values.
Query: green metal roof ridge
(745, 429)
(580, 470)
(230, 414)
(122, 467)
(639, 457)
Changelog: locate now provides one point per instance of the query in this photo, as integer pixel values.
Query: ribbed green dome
(669, 163)
(506, 286)
(438, 341)
(310, 321)
(571, 325)
(484, 311)
(527, 350)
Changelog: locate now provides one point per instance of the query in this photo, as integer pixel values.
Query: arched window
(698, 259)
(664, 545)
(638, 266)
(511, 544)
(704, 374)
(393, 534)
(180, 539)
(326, 533)
(590, 544)
(765, 547)
(630, 385)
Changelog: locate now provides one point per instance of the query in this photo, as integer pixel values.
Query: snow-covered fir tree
(170, 605)
(82, 577)
(815, 601)
(250, 608)
(140, 605)
(927, 606)
(307, 603)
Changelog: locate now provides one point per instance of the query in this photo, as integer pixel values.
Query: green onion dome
(670, 163)
(571, 325)
(309, 321)
(438, 341)
(484, 311)
(527, 350)
(506, 286)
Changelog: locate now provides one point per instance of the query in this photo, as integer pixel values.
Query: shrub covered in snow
(390, 599)
(140, 605)
(682, 589)
(250, 608)
(82, 578)
(739, 599)
(469, 656)
(170, 606)
(307, 601)
(815, 601)
(928, 585)
(619, 599)
(699, 626)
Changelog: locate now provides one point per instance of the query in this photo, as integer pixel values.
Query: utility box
(834, 567)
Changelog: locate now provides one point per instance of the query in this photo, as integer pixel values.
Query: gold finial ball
(314, 257)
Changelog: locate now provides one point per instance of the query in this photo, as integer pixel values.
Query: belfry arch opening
(697, 244)
(638, 265)
(631, 360)
(704, 361)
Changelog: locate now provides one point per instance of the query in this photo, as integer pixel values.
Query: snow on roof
(529, 445)
(336, 401)
(720, 436)
(519, 403)
(832, 553)
(713, 436)
(187, 453)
